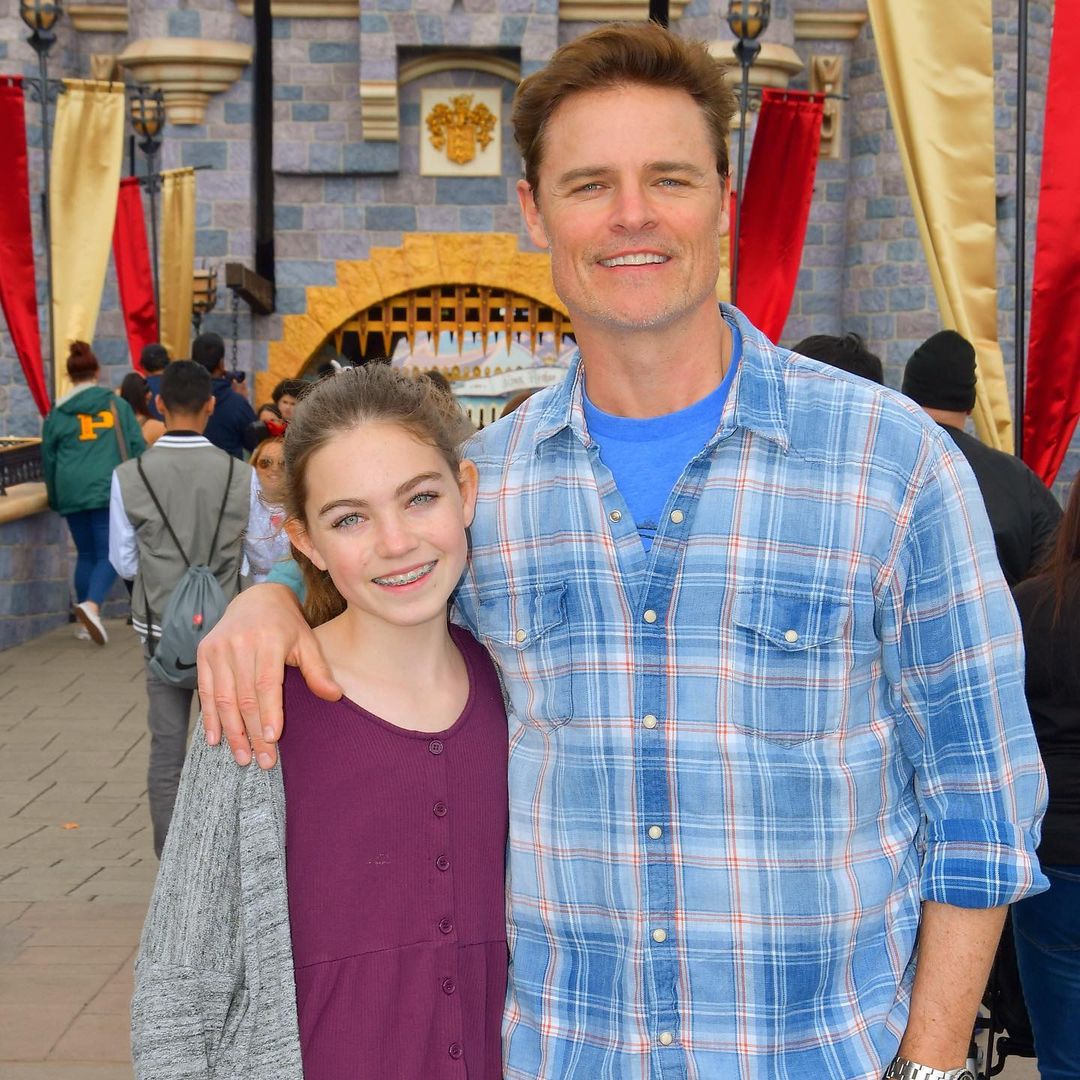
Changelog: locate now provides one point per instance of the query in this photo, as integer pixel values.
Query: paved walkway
(76, 857)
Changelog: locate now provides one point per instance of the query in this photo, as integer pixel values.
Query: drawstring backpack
(194, 606)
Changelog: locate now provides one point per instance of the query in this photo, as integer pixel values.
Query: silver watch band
(902, 1069)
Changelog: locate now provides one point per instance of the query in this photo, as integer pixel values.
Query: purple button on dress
(395, 852)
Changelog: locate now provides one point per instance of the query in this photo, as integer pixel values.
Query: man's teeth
(642, 259)
(406, 579)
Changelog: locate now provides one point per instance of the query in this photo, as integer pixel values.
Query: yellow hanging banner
(177, 260)
(939, 80)
(84, 184)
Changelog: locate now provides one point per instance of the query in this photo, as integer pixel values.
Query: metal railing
(20, 462)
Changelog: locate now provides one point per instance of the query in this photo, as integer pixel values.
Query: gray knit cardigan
(214, 992)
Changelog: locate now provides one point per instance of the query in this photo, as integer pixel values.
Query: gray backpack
(193, 608)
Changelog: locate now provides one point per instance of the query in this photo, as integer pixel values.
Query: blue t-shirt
(647, 457)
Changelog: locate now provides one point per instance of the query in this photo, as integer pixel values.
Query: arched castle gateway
(471, 304)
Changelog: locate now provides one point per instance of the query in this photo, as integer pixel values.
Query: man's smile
(637, 258)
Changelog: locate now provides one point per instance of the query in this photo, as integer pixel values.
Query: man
(940, 376)
(745, 759)
(188, 477)
(847, 353)
(232, 412)
(152, 360)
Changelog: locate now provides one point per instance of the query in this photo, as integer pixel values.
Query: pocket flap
(518, 618)
(790, 621)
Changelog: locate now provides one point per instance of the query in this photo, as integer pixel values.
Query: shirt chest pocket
(526, 631)
(789, 662)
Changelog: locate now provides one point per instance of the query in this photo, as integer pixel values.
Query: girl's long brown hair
(375, 393)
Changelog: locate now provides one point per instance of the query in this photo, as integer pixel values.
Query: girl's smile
(406, 577)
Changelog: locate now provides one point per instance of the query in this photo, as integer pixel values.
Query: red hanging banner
(1052, 398)
(18, 290)
(133, 273)
(776, 205)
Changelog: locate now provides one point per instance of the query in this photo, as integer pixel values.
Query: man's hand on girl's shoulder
(241, 669)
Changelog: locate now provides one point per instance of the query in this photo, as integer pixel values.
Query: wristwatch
(902, 1069)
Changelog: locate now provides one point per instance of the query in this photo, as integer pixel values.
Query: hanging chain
(235, 327)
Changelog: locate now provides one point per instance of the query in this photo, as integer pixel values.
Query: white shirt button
(521, 635)
(666, 1038)
(615, 515)
(659, 935)
(649, 616)
(677, 516)
(649, 720)
(655, 832)
(791, 636)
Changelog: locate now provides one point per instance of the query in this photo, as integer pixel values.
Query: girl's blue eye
(422, 497)
(347, 520)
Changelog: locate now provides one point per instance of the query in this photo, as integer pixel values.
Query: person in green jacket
(87, 433)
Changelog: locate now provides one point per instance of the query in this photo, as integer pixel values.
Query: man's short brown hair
(622, 54)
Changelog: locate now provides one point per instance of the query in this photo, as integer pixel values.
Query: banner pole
(1020, 261)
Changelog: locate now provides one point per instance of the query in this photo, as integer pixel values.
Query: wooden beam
(255, 291)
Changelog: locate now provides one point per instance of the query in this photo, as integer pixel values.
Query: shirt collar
(757, 402)
(182, 437)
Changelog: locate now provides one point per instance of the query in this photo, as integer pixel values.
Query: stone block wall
(35, 593)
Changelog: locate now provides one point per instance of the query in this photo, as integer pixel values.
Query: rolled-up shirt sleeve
(123, 548)
(959, 676)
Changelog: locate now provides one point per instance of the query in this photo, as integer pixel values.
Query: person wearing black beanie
(941, 373)
(941, 377)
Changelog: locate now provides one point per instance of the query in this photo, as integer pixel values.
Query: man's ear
(211, 402)
(468, 483)
(298, 535)
(725, 206)
(159, 404)
(534, 224)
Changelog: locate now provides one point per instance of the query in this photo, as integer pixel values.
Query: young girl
(342, 916)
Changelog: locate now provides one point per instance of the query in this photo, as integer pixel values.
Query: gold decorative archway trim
(459, 60)
(422, 261)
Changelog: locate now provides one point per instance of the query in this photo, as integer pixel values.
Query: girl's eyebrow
(421, 478)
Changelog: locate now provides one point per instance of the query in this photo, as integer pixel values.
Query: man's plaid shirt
(740, 761)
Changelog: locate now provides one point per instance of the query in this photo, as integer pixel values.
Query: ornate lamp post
(203, 295)
(41, 16)
(147, 120)
(748, 20)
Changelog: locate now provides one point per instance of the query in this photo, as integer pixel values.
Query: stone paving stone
(11, 911)
(30, 1031)
(59, 985)
(59, 810)
(117, 935)
(95, 1037)
(12, 940)
(66, 1071)
(43, 914)
(74, 955)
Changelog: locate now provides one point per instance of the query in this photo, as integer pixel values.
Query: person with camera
(232, 411)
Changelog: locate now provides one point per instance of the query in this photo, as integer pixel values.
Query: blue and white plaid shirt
(740, 761)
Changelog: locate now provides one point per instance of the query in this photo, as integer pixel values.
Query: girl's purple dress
(395, 854)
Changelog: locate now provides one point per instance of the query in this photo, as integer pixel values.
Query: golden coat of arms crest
(459, 126)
